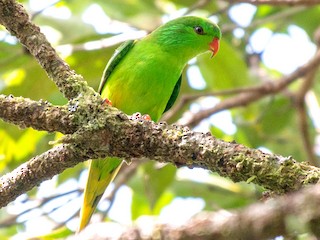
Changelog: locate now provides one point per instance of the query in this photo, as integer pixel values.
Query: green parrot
(145, 76)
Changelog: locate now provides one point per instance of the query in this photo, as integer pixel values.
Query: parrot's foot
(138, 116)
(107, 101)
(146, 117)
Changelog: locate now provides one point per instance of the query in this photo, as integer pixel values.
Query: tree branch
(245, 98)
(37, 170)
(39, 115)
(303, 117)
(12, 219)
(259, 221)
(299, 98)
(188, 98)
(113, 134)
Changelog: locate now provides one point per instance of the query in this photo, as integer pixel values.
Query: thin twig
(197, 5)
(243, 99)
(186, 99)
(12, 220)
(35, 14)
(262, 221)
(303, 117)
(299, 98)
(285, 14)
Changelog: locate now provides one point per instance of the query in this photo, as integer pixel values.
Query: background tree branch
(265, 89)
(259, 221)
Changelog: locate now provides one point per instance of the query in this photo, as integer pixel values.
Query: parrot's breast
(143, 83)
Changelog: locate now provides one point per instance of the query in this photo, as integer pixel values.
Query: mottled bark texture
(111, 133)
(37, 170)
(39, 115)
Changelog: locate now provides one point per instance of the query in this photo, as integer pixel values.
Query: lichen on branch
(111, 133)
(40, 115)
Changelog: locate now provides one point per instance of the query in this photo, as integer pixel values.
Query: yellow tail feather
(101, 174)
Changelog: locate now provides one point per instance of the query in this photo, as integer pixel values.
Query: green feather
(145, 76)
(118, 55)
(174, 94)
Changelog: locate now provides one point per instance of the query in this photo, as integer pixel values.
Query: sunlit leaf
(227, 70)
(140, 205)
(7, 149)
(219, 193)
(27, 143)
(156, 180)
(60, 233)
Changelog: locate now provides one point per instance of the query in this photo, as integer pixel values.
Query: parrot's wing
(174, 94)
(118, 55)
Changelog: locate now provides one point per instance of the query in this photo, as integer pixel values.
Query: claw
(138, 116)
(107, 101)
(146, 117)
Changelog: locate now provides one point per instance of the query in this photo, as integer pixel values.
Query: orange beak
(214, 46)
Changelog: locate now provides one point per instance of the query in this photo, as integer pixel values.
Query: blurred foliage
(270, 123)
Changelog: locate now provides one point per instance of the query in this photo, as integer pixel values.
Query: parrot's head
(190, 36)
(206, 34)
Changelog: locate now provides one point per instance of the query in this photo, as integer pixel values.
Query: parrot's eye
(199, 30)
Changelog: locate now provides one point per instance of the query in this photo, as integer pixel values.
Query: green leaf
(140, 204)
(217, 192)
(70, 173)
(27, 84)
(156, 180)
(27, 143)
(7, 149)
(7, 232)
(143, 14)
(276, 114)
(163, 201)
(60, 233)
(227, 70)
(150, 185)
(309, 24)
(98, 60)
